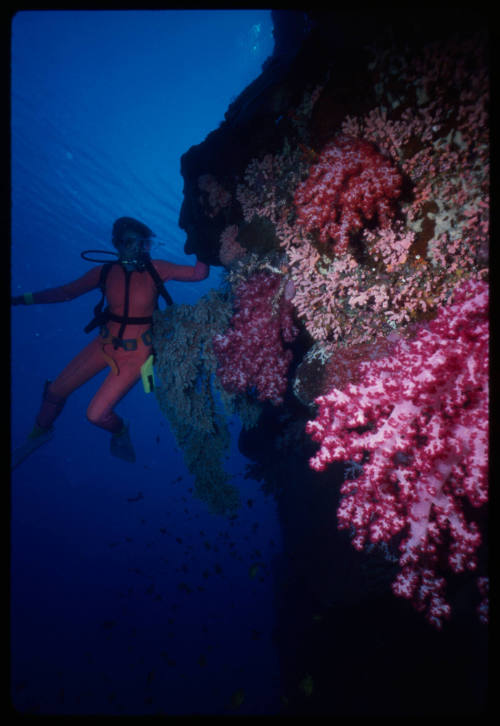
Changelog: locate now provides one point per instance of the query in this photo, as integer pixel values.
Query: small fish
(237, 698)
(108, 624)
(307, 685)
(253, 570)
(157, 439)
(309, 153)
(136, 570)
(137, 498)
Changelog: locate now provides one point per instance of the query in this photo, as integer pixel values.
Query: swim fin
(36, 438)
(121, 445)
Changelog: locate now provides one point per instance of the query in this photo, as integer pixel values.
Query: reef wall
(346, 194)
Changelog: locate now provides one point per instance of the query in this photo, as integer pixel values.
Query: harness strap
(126, 343)
(102, 316)
(160, 286)
(130, 321)
(126, 305)
(110, 361)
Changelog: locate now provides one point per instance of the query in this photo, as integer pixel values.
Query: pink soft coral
(418, 423)
(251, 352)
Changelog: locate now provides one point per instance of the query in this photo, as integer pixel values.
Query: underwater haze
(127, 595)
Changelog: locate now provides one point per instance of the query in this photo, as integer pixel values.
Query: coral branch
(418, 422)
(251, 352)
(350, 184)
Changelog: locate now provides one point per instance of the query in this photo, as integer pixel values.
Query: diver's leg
(101, 408)
(100, 411)
(50, 409)
(84, 366)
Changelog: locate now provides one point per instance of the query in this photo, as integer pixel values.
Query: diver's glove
(26, 299)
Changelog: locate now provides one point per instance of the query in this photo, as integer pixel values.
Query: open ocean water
(121, 606)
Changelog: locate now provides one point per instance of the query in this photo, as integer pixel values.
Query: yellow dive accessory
(148, 374)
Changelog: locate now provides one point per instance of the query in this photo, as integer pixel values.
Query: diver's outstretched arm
(182, 273)
(63, 293)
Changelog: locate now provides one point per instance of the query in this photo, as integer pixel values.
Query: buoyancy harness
(101, 316)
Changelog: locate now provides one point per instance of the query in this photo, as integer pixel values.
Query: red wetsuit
(125, 365)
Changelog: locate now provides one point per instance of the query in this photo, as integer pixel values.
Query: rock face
(250, 128)
(340, 630)
(259, 119)
(327, 48)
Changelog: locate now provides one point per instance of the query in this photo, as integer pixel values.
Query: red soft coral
(350, 184)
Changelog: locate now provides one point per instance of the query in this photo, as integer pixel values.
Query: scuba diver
(131, 285)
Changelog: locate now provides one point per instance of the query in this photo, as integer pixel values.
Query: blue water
(122, 607)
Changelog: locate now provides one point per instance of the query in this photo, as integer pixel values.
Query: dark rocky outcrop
(347, 646)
